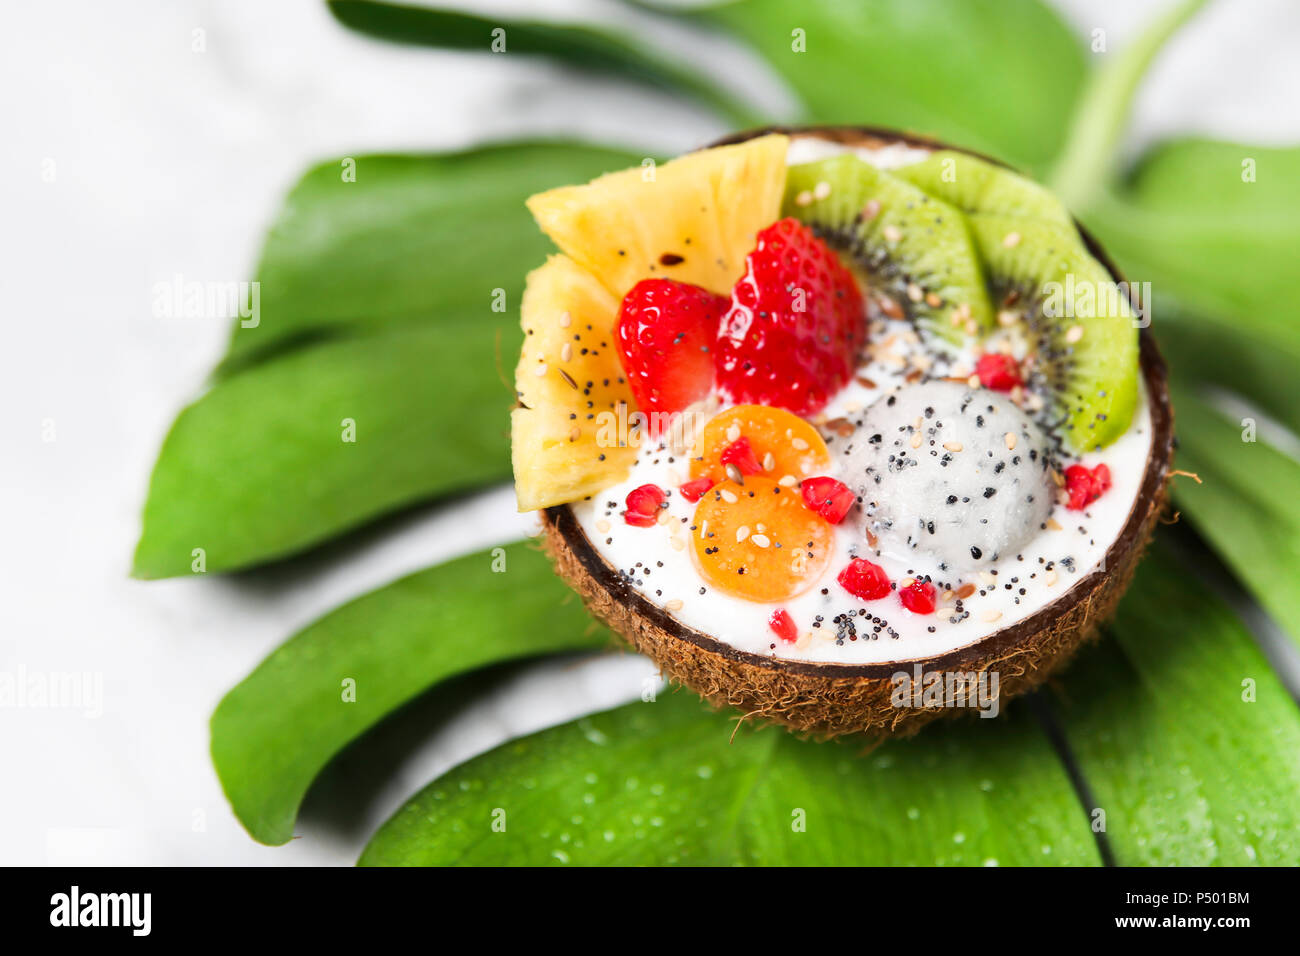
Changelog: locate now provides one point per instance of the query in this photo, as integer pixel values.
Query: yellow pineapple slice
(570, 384)
(693, 219)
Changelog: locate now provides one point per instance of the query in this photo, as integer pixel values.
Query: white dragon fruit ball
(955, 474)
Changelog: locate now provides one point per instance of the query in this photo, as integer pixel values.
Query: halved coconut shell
(834, 699)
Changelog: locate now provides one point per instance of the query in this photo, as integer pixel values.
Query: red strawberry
(865, 580)
(828, 497)
(694, 490)
(796, 323)
(1085, 485)
(643, 504)
(998, 372)
(918, 597)
(666, 332)
(783, 625)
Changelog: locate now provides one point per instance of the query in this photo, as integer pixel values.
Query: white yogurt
(806, 149)
(1056, 559)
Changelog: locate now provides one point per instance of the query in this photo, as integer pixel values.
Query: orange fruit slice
(759, 540)
(782, 443)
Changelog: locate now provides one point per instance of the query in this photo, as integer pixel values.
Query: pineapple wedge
(564, 444)
(693, 219)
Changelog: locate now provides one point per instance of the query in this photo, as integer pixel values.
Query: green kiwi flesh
(908, 245)
(974, 185)
(1086, 350)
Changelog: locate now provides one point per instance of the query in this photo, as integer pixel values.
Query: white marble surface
(168, 161)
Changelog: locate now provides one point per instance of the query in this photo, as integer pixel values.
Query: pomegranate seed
(643, 505)
(783, 625)
(739, 453)
(694, 490)
(998, 372)
(1085, 485)
(863, 579)
(829, 497)
(918, 597)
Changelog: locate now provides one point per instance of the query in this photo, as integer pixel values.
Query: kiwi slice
(976, 186)
(914, 248)
(1086, 354)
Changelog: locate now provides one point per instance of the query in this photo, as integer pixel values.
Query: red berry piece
(694, 490)
(998, 372)
(741, 454)
(1085, 485)
(643, 505)
(783, 625)
(863, 579)
(829, 497)
(918, 597)
(666, 333)
(795, 326)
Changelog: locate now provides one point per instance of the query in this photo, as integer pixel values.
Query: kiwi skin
(831, 700)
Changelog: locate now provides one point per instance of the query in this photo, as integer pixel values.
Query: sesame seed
(540, 370)
(602, 526)
(953, 446)
(788, 481)
(1010, 438)
(1011, 240)
(769, 461)
(677, 543)
(729, 496)
(804, 198)
(566, 320)
(566, 352)
(892, 233)
(1073, 334)
(916, 440)
(973, 381)
(1050, 578)
(799, 445)
(742, 533)
(675, 604)
(822, 190)
(575, 434)
(991, 616)
(1053, 524)
(761, 540)
(914, 292)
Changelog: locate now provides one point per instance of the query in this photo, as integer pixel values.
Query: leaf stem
(1088, 159)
